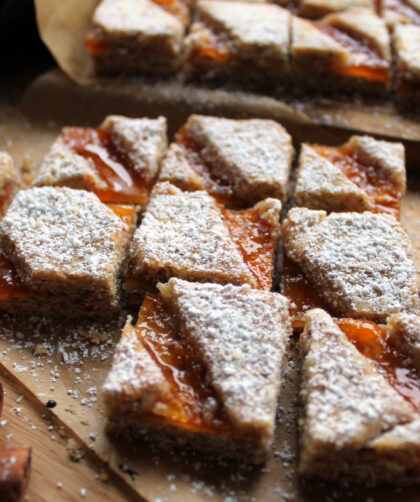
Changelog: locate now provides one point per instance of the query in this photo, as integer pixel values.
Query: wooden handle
(14, 472)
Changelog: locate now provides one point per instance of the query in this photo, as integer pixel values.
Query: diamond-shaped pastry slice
(201, 368)
(354, 264)
(346, 51)
(239, 41)
(239, 162)
(9, 181)
(363, 174)
(119, 160)
(137, 36)
(406, 39)
(63, 253)
(360, 404)
(188, 235)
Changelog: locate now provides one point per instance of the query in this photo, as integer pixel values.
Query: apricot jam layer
(111, 163)
(191, 402)
(366, 61)
(382, 192)
(254, 237)
(371, 340)
(96, 44)
(12, 286)
(302, 296)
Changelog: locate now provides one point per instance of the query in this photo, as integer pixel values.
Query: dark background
(23, 55)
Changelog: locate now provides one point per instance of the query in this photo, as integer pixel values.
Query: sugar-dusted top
(144, 141)
(388, 157)
(360, 263)
(250, 23)
(404, 333)
(183, 234)
(363, 24)
(347, 402)
(63, 167)
(407, 47)
(135, 17)
(322, 185)
(134, 373)
(241, 336)
(249, 154)
(61, 234)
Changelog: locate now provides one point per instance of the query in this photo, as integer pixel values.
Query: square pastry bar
(363, 174)
(137, 36)
(351, 264)
(119, 160)
(242, 42)
(406, 40)
(190, 236)
(361, 399)
(63, 253)
(347, 51)
(238, 162)
(201, 368)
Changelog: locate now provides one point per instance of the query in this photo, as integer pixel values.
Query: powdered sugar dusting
(241, 335)
(253, 155)
(346, 401)
(61, 234)
(361, 263)
(183, 234)
(143, 139)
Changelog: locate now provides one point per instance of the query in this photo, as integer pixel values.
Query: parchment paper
(27, 133)
(63, 25)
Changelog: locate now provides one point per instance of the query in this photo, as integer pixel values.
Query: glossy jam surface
(253, 235)
(220, 189)
(191, 401)
(371, 340)
(112, 165)
(11, 286)
(381, 191)
(301, 294)
(366, 61)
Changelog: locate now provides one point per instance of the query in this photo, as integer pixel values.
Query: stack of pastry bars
(201, 365)
(321, 46)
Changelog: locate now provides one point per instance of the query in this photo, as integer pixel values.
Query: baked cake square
(119, 160)
(201, 368)
(406, 40)
(63, 252)
(137, 36)
(239, 162)
(361, 404)
(189, 235)
(9, 181)
(346, 51)
(363, 174)
(353, 264)
(239, 41)
(399, 11)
